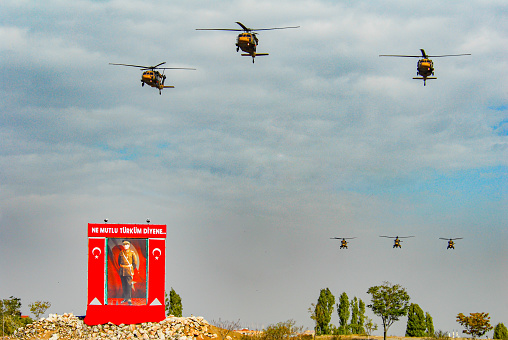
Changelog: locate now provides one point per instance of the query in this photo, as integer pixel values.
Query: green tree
(476, 324)
(322, 313)
(500, 331)
(173, 303)
(38, 308)
(389, 302)
(343, 311)
(361, 317)
(10, 310)
(355, 311)
(369, 327)
(429, 325)
(416, 324)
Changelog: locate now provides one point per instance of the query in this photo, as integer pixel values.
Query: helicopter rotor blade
(175, 68)
(156, 66)
(400, 55)
(139, 66)
(243, 27)
(142, 66)
(425, 56)
(220, 29)
(448, 55)
(274, 28)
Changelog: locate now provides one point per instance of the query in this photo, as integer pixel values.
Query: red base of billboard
(99, 315)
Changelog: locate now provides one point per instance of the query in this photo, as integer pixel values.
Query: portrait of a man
(126, 271)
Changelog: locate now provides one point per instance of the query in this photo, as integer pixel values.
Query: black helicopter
(451, 244)
(425, 66)
(397, 241)
(248, 40)
(343, 242)
(154, 78)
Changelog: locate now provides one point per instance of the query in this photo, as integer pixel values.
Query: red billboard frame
(149, 271)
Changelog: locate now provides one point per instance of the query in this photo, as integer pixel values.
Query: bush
(439, 334)
(282, 331)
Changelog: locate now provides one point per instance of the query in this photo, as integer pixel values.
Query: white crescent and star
(153, 253)
(93, 252)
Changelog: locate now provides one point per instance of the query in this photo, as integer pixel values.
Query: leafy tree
(343, 311)
(369, 327)
(173, 303)
(355, 311)
(10, 309)
(390, 302)
(416, 324)
(38, 308)
(500, 331)
(429, 325)
(322, 313)
(281, 331)
(476, 324)
(361, 318)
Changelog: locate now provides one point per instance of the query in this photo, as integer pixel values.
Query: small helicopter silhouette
(425, 66)
(451, 244)
(343, 242)
(248, 40)
(396, 242)
(154, 78)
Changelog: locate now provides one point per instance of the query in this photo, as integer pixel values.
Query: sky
(254, 167)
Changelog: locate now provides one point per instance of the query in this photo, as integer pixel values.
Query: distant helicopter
(343, 242)
(425, 66)
(248, 40)
(396, 242)
(154, 78)
(451, 244)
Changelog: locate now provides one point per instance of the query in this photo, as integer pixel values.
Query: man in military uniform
(127, 261)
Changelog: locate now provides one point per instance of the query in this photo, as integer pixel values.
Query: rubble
(68, 326)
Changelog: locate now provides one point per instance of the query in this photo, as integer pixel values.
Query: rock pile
(68, 326)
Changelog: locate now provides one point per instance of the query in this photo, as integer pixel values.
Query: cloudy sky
(253, 167)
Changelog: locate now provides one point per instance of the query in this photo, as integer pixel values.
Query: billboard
(126, 273)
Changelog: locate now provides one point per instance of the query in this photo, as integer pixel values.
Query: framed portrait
(126, 271)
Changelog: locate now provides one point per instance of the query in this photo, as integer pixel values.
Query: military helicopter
(425, 66)
(451, 244)
(396, 242)
(343, 242)
(154, 78)
(248, 40)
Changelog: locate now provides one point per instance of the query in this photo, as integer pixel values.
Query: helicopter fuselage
(247, 42)
(343, 244)
(425, 68)
(153, 78)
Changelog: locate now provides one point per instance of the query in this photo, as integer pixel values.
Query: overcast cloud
(254, 167)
